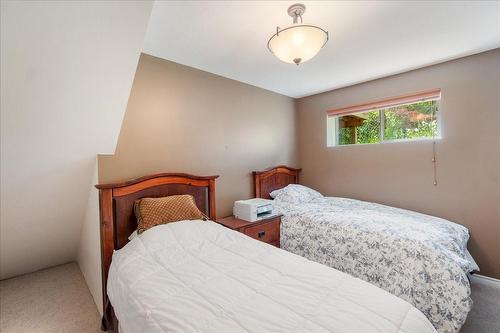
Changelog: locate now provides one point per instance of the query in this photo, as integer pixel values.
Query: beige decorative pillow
(151, 212)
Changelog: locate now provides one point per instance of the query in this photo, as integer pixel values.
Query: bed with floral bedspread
(419, 258)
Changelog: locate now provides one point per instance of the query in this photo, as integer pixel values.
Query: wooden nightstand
(266, 230)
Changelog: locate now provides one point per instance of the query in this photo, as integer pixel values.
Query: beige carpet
(485, 313)
(57, 300)
(52, 300)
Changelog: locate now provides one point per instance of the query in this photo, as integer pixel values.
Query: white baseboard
(486, 280)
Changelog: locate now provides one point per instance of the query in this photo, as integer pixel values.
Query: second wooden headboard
(274, 178)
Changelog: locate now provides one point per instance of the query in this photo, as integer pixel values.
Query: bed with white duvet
(198, 276)
(420, 258)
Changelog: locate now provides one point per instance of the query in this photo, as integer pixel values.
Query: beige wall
(181, 119)
(400, 174)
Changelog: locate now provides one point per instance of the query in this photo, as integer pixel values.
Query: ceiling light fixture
(299, 42)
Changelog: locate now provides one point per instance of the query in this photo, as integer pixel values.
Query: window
(411, 117)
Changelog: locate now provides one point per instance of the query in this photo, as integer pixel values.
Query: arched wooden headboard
(274, 178)
(116, 202)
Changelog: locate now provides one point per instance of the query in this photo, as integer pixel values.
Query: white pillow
(133, 235)
(295, 193)
(275, 193)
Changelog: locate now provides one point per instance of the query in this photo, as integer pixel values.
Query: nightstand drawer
(268, 232)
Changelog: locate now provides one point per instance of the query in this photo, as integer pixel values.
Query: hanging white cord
(434, 162)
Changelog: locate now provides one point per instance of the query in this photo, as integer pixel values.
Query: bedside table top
(234, 223)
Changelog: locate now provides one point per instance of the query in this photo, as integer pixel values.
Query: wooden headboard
(116, 202)
(273, 179)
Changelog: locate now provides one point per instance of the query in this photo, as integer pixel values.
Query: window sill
(422, 140)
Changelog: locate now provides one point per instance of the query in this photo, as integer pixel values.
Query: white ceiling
(368, 39)
(66, 72)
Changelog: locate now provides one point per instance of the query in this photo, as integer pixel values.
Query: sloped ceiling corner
(66, 73)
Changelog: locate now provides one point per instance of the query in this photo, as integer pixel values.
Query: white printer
(253, 209)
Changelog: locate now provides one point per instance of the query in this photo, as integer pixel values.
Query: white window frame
(333, 127)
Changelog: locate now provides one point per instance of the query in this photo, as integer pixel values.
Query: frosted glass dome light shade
(297, 43)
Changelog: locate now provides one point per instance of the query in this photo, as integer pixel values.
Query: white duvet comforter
(196, 276)
(420, 258)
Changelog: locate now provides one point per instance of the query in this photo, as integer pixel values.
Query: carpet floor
(52, 300)
(57, 300)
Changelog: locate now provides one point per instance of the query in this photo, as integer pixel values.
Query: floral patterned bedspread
(419, 258)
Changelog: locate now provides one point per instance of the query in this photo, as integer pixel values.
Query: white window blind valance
(386, 103)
